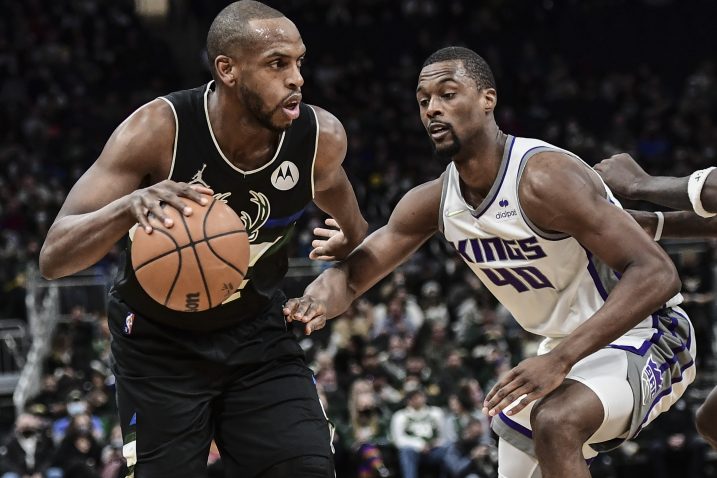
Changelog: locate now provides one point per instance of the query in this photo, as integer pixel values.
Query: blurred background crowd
(403, 373)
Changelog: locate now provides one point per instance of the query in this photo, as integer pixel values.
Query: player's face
(449, 103)
(271, 81)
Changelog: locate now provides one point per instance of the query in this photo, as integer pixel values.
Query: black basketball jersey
(269, 199)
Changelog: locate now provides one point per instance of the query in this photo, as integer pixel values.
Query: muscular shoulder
(145, 140)
(555, 188)
(331, 147)
(554, 174)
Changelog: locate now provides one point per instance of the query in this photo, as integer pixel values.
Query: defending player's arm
(579, 208)
(627, 179)
(105, 203)
(676, 224)
(414, 220)
(334, 193)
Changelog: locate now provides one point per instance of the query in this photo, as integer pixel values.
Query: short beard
(255, 106)
(446, 154)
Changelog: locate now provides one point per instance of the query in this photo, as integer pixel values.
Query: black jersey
(269, 199)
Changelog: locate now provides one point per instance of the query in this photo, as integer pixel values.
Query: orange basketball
(198, 262)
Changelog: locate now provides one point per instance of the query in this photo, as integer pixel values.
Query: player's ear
(489, 99)
(226, 70)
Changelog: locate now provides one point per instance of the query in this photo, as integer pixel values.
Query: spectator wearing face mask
(76, 405)
(79, 453)
(29, 451)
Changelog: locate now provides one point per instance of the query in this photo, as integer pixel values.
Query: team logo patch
(651, 380)
(505, 213)
(198, 179)
(128, 323)
(285, 176)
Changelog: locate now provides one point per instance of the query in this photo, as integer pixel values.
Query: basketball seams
(196, 255)
(176, 276)
(191, 243)
(154, 274)
(209, 244)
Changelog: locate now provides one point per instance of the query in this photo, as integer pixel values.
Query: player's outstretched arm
(105, 203)
(333, 192)
(677, 224)
(628, 180)
(579, 208)
(414, 220)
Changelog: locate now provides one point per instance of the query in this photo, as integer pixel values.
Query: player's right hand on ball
(306, 309)
(149, 200)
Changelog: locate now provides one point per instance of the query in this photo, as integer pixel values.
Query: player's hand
(622, 174)
(331, 244)
(307, 310)
(149, 200)
(531, 379)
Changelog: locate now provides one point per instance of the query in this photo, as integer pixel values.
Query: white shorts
(634, 387)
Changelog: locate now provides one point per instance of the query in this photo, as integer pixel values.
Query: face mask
(116, 443)
(75, 408)
(83, 430)
(29, 433)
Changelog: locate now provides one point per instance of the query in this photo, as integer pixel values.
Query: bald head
(231, 27)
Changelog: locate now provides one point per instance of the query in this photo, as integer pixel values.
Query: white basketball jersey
(549, 282)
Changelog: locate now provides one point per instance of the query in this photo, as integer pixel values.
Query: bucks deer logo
(254, 223)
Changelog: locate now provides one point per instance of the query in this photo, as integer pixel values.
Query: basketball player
(546, 236)
(697, 192)
(232, 373)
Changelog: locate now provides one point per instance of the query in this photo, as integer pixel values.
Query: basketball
(197, 263)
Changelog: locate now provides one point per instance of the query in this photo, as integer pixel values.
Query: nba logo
(128, 323)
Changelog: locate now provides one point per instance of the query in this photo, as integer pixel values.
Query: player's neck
(479, 169)
(244, 141)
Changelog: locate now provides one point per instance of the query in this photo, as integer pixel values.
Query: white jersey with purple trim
(549, 282)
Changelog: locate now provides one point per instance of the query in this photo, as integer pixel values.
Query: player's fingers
(315, 324)
(525, 401)
(323, 232)
(306, 310)
(501, 395)
(198, 194)
(156, 210)
(510, 398)
(175, 201)
(202, 189)
(140, 213)
(319, 254)
(505, 380)
(326, 258)
(331, 222)
(289, 308)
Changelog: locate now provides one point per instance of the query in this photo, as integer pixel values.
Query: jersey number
(521, 278)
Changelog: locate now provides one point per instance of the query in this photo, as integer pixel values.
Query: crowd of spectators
(402, 374)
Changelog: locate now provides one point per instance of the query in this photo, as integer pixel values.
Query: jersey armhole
(444, 193)
(316, 149)
(176, 135)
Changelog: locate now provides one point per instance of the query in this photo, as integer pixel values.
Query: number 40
(521, 278)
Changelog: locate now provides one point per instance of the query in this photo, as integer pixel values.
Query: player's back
(549, 282)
